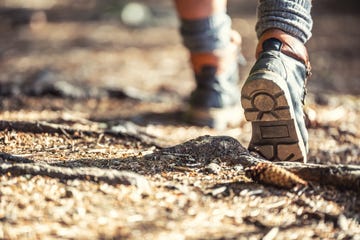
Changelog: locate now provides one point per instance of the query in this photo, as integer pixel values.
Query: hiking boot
(215, 102)
(273, 97)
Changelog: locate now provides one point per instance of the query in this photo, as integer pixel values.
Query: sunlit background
(118, 43)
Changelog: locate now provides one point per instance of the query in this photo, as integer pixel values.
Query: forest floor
(118, 98)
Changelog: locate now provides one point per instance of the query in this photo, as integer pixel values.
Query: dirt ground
(122, 92)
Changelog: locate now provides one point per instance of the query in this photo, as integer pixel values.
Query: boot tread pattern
(274, 133)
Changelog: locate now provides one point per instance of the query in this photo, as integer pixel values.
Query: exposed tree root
(109, 176)
(340, 176)
(14, 159)
(228, 149)
(124, 130)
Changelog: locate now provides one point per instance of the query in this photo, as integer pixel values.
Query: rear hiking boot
(215, 102)
(273, 97)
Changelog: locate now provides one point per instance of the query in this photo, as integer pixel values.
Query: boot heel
(276, 140)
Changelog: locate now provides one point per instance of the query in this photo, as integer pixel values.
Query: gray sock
(290, 16)
(207, 34)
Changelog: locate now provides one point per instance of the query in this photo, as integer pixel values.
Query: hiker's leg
(206, 31)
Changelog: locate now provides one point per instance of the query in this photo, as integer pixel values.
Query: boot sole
(275, 134)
